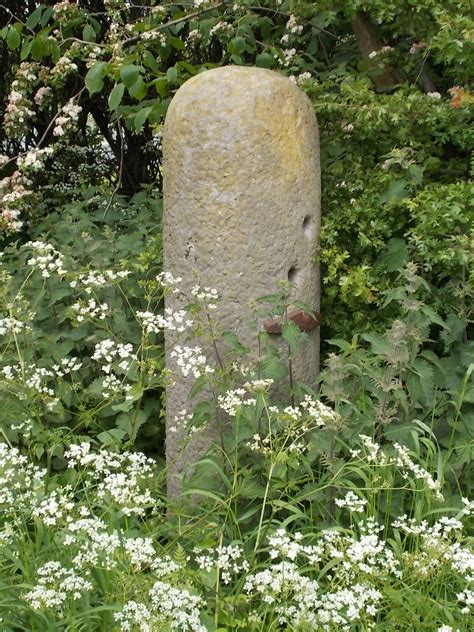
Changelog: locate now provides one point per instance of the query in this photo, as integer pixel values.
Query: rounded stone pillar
(241, 212)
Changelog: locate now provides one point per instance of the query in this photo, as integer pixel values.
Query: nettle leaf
(13, 38)
(395, 255)
(111, 437)
(396, 191)
(293, 336)
(273, 368)
(115, 96)
(232, 340)
(94, 78)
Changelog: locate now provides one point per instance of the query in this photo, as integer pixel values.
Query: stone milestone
(241, 212)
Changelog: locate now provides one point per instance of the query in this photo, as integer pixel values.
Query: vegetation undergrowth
(342, 509)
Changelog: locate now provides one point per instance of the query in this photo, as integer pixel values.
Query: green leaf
(88, 33)
(237, 45)
(94, 79)
(293, 336)
(34, 17)
(176, 43)
(48, 12)
(26, 48)
(111, 437)
(172, 74)
(272, 367)
(396, 191)
(141, 117)
(234, 343)
(38, 48)
(115, 96)
(129, 74)
(395, 255)
(150, 61)
(264, 60)
(13, 38)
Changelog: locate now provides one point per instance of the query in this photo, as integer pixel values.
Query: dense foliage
(345, 506)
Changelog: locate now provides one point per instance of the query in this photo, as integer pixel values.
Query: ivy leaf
(13, 38)
(94, 79)
(115, 96)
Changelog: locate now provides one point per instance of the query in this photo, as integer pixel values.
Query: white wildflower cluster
(46, 259)
(15, 196)
(92, 542)
(229, 560)
(64, 10)
(142, 555)
(233, 399)
(351, 502)
(206, 294)
(119, 477)
(62, 68)
(293, 596)
(288, 56)
(221, 27)
(191, 361)
(68, 118)
(18, 112)
(12, 326)
(382, 51)
(438, 547)
(181, 421)
(413, 470)
(170, 608)
(34, 159)
(319, 414)
(52, 509)
(372, 449)
(56, 584)
(259, 386)
(298, 600)
(108, 351)
(42, 95)
(154, 36)
(113, 386)
(292, 28)
(171, 320)
(90, 309)
(95, 279)
(20, 482)
(168, 281)
(38, 379)
(300, 79)
(66, 366)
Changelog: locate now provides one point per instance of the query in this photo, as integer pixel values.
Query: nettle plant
(260, 550)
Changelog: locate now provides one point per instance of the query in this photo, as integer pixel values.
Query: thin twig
(119, 181)
(185, 18)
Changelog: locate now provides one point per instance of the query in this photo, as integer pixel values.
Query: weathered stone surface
(241, 212)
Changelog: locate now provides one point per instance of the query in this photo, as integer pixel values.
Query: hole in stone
(308, 226)
(293, 275)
